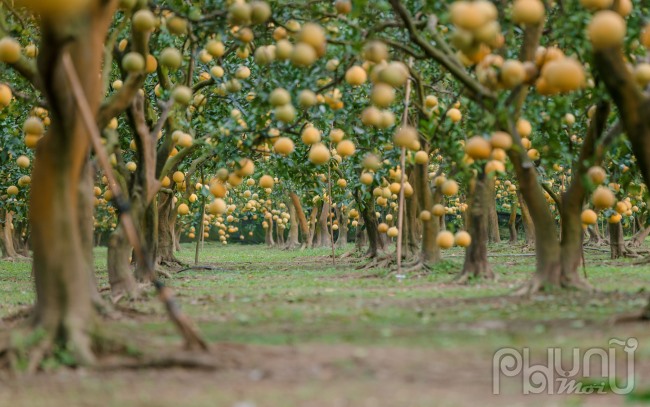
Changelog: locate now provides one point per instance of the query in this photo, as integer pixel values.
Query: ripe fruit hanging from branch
(606, 29)
(528, 12)
(603, 198)
(319, 154)
(445, 239)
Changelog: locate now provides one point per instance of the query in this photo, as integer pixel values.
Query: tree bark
(120, 275)
(313, 218)
(166, 230)
(616, 240)
(7, 237)
(360, 237)
(638, 239)
(529, 227)
(547, 247)
(512, 223)
(430, 252)
(268, 235)
(147, 215)
(324, 237)
(342, 239)
(493, 216)
(302, 220)
(367, 209)
(293, 241)
(476, 261)
(570, 205)
(64, 308)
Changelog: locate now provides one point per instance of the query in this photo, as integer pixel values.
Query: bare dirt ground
(305, 376)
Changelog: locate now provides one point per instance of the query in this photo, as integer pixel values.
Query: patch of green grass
(270, 296)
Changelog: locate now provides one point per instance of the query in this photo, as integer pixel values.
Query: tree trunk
(120, 275)
(529, 227)
(279, 233)
(7, 237)
(146, 216)
(476, 261)
(62, 275)
(512, 223)
(493, 216)
(594, 234)
(293, 241)
(633, 108)
(570, 205)
(571, 235)
(166, 230)
(547, 247)
(342, 239)
(430, 252)
(616, 240)
(639, 237)
(177, 238)
(313, 218)
(21, 238)
(360, 237)
(268, 235)
(367, 209)
(324, 237)
(301, 219)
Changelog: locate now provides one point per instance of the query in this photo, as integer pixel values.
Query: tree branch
(439, 56)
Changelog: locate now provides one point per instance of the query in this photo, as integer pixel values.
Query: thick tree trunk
(21, 238)
(301, 219)
(313, 218)
(342, 239)
(324, 237)
(147, 219)
(571, 238)
(64, 308)
(279, 233)
(547, 247)
(7, 237)
(529, 227)
(268, 235)
(476, 261)
(293, 241)
(430, 252)
(633, 108)
(493, 216)
(177, 239)
(166, 230)
(360, 237)
(640, 236)
(570, 205)
(594, 234)
(367, 209)
(616, 240)
(512, 223)
(120, 275)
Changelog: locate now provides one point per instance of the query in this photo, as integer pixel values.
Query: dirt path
(304, 376)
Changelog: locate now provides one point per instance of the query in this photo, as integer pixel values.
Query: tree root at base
(537, 285)
(26, 351)
(379, 261)
(467, 276)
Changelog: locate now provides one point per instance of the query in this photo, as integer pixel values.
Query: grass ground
(292, 329)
